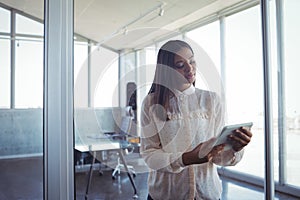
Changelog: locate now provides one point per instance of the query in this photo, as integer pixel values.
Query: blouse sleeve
(151, 149)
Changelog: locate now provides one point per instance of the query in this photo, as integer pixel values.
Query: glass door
(21, 102)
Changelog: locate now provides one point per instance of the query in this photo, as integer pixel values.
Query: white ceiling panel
(129, 24)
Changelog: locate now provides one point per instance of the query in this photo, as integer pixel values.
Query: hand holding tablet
(228, 130)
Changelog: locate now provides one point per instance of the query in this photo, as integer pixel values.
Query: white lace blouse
(199, 117)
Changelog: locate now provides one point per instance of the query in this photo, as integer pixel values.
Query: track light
(161, 11)
(125, 31)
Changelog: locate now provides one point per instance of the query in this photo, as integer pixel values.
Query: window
(105, 78)
(208, 38)
(29, 74)
(4, 20)
(146, 74)
(4, 59)
(292, 106)
(25, 25)
(95, 74)
(22, 97)
(244, 78)
(81, 63)
(5, 73)
(244, 83)
(205, 42)
(151, 57)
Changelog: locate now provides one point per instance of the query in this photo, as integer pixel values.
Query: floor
(16, 186)
(111, 189)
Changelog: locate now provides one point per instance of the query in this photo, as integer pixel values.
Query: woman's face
(185, 65)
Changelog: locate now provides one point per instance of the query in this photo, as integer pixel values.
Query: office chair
(122, 136)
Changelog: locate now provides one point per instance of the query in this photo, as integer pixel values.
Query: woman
(179, 126)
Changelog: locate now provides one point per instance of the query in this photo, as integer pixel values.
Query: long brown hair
(163, 79)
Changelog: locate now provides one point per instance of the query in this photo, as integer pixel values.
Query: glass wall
(244, 83)
(21, 105)
(5, 58)
(97, 92)
(5, 72)
(96, 80)
(243, 76)
(291, 31)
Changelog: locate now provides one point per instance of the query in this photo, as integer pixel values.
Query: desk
(97, 144)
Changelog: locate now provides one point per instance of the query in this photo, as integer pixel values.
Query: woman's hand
(214, 152)
(240, 138)
(192, 157)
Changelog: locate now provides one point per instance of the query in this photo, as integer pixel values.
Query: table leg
(90, 176)
(128, 173)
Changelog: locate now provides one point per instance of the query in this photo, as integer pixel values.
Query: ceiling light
(125, 31)
(161, 11)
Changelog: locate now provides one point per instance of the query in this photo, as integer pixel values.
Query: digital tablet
(227, 130)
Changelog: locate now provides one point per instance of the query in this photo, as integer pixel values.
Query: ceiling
(130, 24)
